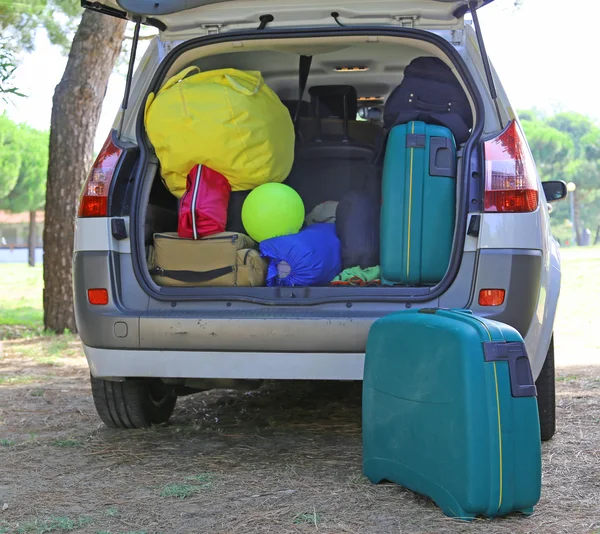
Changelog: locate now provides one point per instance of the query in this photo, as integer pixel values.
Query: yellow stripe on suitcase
(410, 178)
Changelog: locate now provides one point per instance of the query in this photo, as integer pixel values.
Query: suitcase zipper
(194, 199)
(232, 238)
(410, 179)
(499, 433)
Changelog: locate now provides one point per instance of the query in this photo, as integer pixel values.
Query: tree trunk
(76, 108)
(597, 238)
(32, 238)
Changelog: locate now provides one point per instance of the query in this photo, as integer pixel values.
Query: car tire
(138, 403)
(546, 395)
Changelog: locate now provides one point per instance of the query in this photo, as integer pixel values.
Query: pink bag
(203, 206)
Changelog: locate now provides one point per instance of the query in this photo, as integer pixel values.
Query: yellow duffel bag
(228, 120)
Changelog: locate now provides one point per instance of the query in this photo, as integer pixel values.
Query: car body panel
(186, 18)
(137, 335)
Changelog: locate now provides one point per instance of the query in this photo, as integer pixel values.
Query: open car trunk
(372, 60)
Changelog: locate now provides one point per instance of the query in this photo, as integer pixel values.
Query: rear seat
(358, 131)
(331, 160)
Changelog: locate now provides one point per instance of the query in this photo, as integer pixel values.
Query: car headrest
(329, 101)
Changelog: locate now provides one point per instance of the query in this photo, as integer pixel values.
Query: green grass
(113, 511)
(48, 351)
(203, 478)
(310, 519)
(566, 378)
(21, 290)
(6, 443)
(53, 524)
(13, 380)
(186, 489)
(578, 307)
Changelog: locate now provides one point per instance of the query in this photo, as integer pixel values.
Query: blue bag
(311, 257)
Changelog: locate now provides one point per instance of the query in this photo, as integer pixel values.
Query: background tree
(29, 191)
(566, 146)
(76, 108)
(20, 21)
(7, 69)
(10, 155)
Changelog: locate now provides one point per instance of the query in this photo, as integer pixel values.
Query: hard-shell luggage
(225, 259)
(203, 206)
(450, 412)
(418, 204)
(430, 92)
(226, 119)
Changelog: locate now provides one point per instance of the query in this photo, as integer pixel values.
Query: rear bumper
(238, 340)
(107, 363)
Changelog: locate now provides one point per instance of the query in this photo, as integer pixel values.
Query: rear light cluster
(511, 184)
(93, 201)
(491, 297)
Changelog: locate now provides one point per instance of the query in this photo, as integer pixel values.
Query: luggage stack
(426, 116)
(450, 411)
(393, 189)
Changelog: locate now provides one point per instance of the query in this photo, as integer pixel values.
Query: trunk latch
(212, 29)
(406, 22)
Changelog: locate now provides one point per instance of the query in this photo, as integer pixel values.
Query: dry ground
(286, 458)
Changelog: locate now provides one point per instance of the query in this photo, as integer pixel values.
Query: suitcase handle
(194, 276)
(519, 368)
(429, 106)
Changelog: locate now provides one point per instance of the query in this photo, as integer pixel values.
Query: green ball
(272, 210)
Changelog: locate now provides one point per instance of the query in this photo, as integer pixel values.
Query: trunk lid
(180, 19)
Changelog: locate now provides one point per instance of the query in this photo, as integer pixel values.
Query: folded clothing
(311, 257)
(355, 276)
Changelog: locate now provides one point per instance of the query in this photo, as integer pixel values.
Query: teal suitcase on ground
(419, 204)
(450, 412)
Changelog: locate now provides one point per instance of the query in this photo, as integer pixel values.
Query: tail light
(491, 297)
(98, 297)
(511, 184)
(93, 201)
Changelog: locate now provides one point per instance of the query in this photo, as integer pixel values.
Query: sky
(544, 59)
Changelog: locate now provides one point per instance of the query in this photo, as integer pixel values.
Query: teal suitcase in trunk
(450, 412)
(419, 204)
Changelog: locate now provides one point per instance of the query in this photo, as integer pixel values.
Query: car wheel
(546, 398)
(135, 403)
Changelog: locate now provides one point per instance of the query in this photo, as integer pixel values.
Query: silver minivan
(148, 344)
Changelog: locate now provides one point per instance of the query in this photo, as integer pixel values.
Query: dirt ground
(285, 458)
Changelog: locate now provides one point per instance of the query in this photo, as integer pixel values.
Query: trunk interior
(340, 148)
